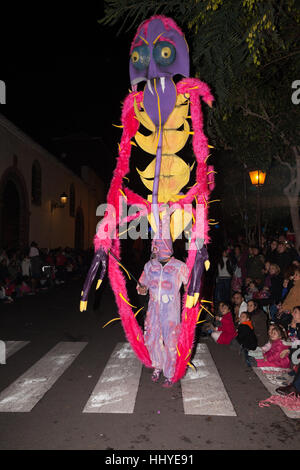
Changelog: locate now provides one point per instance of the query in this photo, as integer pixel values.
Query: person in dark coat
(259, 321)
(246, 336)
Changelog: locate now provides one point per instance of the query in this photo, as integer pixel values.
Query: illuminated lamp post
(257, 179)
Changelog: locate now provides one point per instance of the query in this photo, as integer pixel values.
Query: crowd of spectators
(268, 275)
(257, 304)
(27, 272)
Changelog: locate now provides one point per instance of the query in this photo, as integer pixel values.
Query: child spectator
(246, 336)
(292, 327)
(275, 352)
(225, 332)
(251, 290)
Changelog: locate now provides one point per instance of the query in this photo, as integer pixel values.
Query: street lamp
(257, 179)
(63, 201)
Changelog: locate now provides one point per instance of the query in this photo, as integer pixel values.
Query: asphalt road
(158, 421)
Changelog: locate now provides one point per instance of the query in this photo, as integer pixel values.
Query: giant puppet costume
(164, 145)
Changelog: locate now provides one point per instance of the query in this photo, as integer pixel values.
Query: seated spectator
(239, 306)
(259, 320)
(293, 296)
(271, 253)
(276, 351)
(266, 271)
(246, 335)
(251, 290)
(225, 332)
(3, 294)
(292, 327)
(285, 256)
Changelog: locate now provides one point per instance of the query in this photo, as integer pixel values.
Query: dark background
(66, 76)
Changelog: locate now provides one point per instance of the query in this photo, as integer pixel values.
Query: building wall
(57, 227)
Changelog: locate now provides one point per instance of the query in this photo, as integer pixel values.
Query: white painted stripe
(13, 346)
(23, 394)
(116, 390)
(271, 382)
(203, 390)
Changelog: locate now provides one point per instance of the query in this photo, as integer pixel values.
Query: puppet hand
(100, 257)
(195, 284)
(142, 290)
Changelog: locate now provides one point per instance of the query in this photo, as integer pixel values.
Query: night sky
(65, 77)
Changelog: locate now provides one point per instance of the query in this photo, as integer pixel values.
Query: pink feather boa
(196, 89)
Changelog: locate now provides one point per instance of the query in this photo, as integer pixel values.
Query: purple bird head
(159, 50)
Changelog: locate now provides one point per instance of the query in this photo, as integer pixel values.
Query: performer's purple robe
(162, 324)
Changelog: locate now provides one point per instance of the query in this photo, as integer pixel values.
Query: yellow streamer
(214, 200)
(125, 271)
(123, 298)
(207, 310)
(178, 351)
(200, 311)
(188, 354)
(123, 194)
(114, 319)
(138, 311)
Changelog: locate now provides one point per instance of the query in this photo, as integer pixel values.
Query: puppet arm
(100, 257)
(102, 244)
(201, 263)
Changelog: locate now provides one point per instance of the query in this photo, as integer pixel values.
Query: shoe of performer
(167, 383)
(155, 375)
(287, 390)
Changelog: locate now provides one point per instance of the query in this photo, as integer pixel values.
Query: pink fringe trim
(291, 402)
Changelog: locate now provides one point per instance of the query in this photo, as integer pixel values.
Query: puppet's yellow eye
(166, 52)
(135, 56)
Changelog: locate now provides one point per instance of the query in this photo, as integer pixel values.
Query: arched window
(36, 183)
(72, 200)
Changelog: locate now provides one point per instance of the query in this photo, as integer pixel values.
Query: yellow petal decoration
(83, 305)
(98, 284)
(174, 175)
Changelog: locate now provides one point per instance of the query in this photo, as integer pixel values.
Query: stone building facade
(31, 182)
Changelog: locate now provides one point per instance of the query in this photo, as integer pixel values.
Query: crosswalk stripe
(271, 384)
(116, 390)
(203, 390)
(23, 394)
(14, 346)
